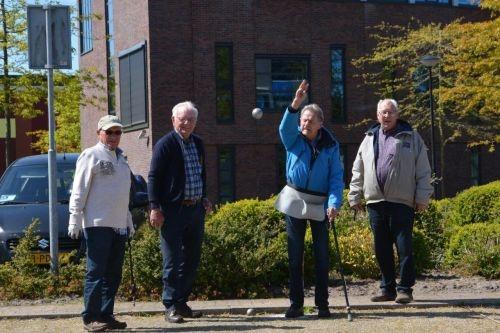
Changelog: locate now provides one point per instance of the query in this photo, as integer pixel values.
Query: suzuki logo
(43, 243)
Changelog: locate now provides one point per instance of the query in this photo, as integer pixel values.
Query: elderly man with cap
(99, 204)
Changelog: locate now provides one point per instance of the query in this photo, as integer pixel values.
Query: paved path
(238, 307)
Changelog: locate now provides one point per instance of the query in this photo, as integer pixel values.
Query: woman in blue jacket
(313, 168)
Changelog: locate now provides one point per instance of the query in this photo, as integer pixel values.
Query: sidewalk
(275, 305)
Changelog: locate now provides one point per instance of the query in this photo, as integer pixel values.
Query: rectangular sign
(61, 37)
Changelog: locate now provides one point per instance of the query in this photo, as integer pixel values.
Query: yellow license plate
(43, 258)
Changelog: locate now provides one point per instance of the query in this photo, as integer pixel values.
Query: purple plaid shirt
(193, 189)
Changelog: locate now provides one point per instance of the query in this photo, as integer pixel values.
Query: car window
(29, 183)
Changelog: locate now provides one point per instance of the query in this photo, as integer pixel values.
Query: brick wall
(181, 36)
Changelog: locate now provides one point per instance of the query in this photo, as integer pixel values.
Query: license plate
(43, 258)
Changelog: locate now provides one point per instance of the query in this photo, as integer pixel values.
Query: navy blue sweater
(167, 177)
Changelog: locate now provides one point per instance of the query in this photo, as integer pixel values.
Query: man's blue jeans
(296, 230)
(393, 223)
(105, 252)
(181, 239)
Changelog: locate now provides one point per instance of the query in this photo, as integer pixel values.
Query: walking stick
(131, 265)
(341, 270)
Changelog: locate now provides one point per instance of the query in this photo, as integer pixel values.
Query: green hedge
(244, 252)
(21, 278)
(478, 204)
(475, 250)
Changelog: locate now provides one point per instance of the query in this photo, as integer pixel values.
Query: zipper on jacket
(314, 154)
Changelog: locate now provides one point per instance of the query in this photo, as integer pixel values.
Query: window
(475, 167)
(473, 3)
(337, 93)
(133, 100)
(226, 172)
(85, 8)
(343, 160)
(224, 82)
(440, 2)
(277, 79)
(110, 54)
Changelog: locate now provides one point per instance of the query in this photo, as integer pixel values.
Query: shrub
(423, 251)
(244, 252)
(478, 204)
(431, 225)
(356, 249)
(21, 278)
(475, 249)
(147, 264)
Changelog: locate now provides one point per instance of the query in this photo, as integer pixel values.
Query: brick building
(231, 56)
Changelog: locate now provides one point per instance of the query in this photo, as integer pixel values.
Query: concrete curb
(240, 307)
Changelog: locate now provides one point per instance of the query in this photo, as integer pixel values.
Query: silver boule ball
(257, 113)
(251, 312)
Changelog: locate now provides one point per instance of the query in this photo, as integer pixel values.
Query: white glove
(130, 225)
(74, 231)
(131, 231)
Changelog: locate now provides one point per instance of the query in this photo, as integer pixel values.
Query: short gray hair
(391, 101)
(184, 106)
(314, 108)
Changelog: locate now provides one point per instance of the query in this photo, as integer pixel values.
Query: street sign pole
(54, 227)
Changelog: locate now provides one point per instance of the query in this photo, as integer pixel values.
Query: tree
(467, 95)
(19, 87)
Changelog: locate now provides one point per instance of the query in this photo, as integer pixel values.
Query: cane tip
(349, 317)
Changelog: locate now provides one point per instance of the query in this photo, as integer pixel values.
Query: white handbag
(301, 205)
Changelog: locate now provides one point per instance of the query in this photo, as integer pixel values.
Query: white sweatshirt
(101, 189)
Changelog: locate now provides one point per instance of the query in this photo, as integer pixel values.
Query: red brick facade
(180, 39)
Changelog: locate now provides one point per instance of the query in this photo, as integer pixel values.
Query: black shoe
(172, 316)
(294, 312)
(404, 297)
(96, 326)
(324, 313)
(184, 310)
(115, 324)
(383, 297)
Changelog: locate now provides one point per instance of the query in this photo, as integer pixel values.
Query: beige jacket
(409, 179)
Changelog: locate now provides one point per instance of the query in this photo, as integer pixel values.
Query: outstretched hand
(300, 94)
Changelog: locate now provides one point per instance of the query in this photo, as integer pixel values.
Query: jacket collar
(326, 138)
(401, 126)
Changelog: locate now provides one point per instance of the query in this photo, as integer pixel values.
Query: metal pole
(433, 150)
(54, 240)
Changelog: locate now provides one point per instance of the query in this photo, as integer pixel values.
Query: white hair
(391, 101)
(315, 109)
(185, 106)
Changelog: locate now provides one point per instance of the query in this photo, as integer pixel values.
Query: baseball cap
(108, 121)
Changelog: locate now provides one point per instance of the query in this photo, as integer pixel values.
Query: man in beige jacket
(392, 173)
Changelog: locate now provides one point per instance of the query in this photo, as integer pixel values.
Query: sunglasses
(110, 132)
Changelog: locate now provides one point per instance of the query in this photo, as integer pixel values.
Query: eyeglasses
(110, 132)
(387, 113)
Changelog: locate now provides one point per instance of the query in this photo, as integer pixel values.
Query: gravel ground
(442, 320)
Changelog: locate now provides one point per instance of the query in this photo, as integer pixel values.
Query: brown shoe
(173, 317)
(96, 326)
(383, 297)
(404, 297)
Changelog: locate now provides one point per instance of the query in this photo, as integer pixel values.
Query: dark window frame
(110, 53)
(301, 56)
(85, 23)
(475, 153)
(232, 182)
(343, 116)
(127, 53)
(224, 85)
